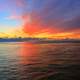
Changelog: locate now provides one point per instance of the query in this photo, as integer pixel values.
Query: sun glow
(56, 35)
(22, 34)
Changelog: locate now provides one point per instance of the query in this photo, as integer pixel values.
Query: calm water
(28, 61)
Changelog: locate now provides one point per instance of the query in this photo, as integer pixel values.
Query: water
(29, 61)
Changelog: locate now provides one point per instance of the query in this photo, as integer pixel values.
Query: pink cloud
(13, 17)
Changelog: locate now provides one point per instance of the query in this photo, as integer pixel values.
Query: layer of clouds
(63, 14)
(47, 15)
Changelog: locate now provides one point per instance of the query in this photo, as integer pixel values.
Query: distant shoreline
(36, 40)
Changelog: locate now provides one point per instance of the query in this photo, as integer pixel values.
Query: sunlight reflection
(28, 52)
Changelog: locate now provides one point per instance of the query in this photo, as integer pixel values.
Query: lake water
(29, 61)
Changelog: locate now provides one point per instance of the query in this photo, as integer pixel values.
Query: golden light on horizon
(57, 35)
(20, 33)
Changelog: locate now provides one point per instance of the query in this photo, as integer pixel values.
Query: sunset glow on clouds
(41, 18)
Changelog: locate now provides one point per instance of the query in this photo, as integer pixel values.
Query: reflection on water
(29, 61)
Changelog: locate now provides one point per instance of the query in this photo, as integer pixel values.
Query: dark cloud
(54, 11)
(72, 24)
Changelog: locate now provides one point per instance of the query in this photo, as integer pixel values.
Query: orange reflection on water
(28, 52)
(42, 54)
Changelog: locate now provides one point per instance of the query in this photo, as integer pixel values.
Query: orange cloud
(35, 28)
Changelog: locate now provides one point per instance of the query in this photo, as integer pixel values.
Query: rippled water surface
(29, 61)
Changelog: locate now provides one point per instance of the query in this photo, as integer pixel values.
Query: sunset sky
(40, 18)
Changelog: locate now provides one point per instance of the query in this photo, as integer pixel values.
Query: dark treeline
(39, 40)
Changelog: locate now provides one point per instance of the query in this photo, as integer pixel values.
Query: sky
(40, 18)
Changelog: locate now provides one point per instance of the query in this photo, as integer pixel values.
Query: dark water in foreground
(28, 61)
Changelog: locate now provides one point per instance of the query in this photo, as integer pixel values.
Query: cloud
(72, 24)
(51, 16)
(20, 3)
(13, 17)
